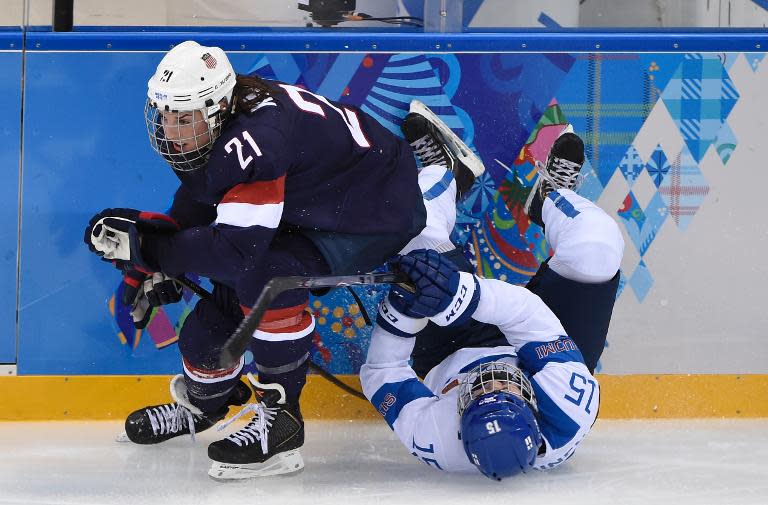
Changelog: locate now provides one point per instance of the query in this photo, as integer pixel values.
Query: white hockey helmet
(191, 81)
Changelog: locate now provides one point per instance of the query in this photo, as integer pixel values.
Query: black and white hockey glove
(115, 235)
(144, 292)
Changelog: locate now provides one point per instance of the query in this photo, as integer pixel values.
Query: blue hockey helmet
(498, 420)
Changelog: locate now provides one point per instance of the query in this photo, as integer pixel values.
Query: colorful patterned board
(647, 121)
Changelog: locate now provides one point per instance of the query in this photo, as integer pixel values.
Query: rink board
(621, 397)
(675, 150)
(10, 141)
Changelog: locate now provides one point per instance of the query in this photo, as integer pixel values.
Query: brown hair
(250, 91)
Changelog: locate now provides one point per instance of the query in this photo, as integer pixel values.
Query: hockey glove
(443, 294)
(435, 278)
(115, 234)
(143, 292)
(133, 297)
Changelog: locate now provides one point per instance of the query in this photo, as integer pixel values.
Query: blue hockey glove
(435, 278)
(115, 235)
(443, 294)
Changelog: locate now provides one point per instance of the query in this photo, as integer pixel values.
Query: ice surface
(621, 462)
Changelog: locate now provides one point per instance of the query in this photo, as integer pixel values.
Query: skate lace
(429, 152)
(171, 418)
(257, 429)
(562, 173)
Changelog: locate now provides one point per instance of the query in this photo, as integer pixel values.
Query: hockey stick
(236, 345)
(194, 287)
(205, 294)
(325, 374)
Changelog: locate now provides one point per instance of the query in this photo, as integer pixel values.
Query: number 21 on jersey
(236, 144)
(347, 115)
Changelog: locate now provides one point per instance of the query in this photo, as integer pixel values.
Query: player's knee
(595, 254)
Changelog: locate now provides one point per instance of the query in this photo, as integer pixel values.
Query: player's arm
(387, 378)
(393, 388)
(243, 229)
(188, 212)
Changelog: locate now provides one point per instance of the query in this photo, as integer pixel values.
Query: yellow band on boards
(105, 397)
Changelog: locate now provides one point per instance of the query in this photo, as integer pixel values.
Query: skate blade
(279, 464)
(123, 437)
(458, 147)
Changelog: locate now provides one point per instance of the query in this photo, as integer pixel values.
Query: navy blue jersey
(296, 160)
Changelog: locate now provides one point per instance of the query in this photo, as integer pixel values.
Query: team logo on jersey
(209, 60)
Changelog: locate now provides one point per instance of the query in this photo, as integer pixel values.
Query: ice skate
(158, 423)
(268, 445)
(435, 144)
(561, 171)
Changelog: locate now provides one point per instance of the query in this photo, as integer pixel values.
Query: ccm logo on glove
(458, 302)
(463, 303)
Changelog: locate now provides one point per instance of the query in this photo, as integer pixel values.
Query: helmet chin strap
(216, 115)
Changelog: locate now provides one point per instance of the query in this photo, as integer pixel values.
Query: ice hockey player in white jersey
(509, 387)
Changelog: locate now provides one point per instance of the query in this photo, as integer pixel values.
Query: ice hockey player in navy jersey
(509, 387)
(275, 180)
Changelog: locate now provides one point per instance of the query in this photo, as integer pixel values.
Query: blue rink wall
(10, 151)
(659, 127)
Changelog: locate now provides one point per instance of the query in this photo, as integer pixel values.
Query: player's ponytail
(250, 91)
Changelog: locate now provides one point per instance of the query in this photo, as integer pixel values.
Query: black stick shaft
(205, 294)
(238, 342)
(194, 287)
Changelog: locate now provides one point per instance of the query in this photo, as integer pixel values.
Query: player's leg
(561, 170)
(438, 189)
(579, 282)
(434, 143)
(203, 394)
(435, 343)
(281, 348)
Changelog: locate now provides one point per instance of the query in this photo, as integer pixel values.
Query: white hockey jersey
(424, 415)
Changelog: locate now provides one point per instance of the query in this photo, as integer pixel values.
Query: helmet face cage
(186, 143)
(495, 376)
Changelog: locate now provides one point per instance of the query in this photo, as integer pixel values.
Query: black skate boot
(268, 445)
(435, 144)
(561, 172)
(158, 423)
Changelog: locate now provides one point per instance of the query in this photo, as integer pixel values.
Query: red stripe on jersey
(257, 192)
